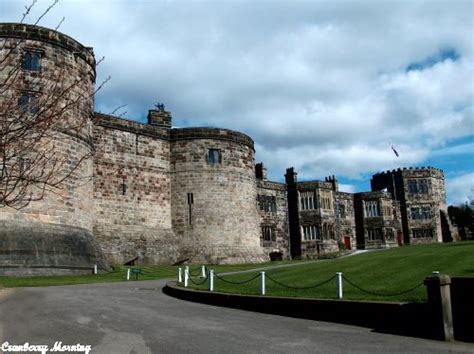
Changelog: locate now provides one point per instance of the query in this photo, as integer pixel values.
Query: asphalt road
(136, 317)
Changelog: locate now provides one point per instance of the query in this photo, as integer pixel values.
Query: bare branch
(27, 10)
(46, 11)
(118, 108)
(41, 115)
(60, 23)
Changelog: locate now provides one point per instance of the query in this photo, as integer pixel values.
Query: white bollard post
(128, 273)
(180, 275)
(211, 280)
(262, 283)
(203, 272)
(95, 268)
(186, 277)
(339, 293)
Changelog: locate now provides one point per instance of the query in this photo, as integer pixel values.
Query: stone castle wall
(382, 229)
(131, 175)
(322, 215)
(434, 198)
(64, 79)
(64, 63)
(346, 223)
(163, 195)
(273, 212)
(132, 191)
(214, 209)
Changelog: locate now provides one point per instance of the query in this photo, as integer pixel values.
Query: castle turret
(214, 194)
(422, 196)
(55, 78)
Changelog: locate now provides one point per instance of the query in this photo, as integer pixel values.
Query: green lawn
(118, 274)
(386, 272)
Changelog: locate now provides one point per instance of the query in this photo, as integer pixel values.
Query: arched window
(35, 62)
(31, 61)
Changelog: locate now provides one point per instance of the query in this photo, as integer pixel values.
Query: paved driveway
(136, 317)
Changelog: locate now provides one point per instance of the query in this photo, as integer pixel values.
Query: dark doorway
(400, 238)
(347, 243)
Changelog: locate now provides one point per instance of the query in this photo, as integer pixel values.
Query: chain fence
(198, 274)
(236, 283)
(382, 294)
(198, 282)
(300, 287)
(192, 271)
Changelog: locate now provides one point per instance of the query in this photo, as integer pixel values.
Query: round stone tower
(213, 196)
(56, 74)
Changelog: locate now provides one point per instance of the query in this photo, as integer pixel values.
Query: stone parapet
(211, 133)
(24, 31)
(112, 122)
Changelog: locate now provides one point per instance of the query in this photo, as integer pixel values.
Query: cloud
(348, 188)
(460, 189)
(461, 149)
(323, 86)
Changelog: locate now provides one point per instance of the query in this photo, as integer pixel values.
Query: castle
(164, 195)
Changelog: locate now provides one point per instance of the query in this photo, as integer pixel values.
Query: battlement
(260, 171)
(113, 122)
(23, 31)
(373, 195)
(314, 185)
(409, 171)
(277, 186)
(211, 133)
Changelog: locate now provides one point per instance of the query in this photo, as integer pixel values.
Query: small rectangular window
(423, 186)
(342, 210)
(24, 165)
(412, 186)
(371, 208)
(268, 233)
(32, 61)
(214, 156)
(423, 233)
(28, 103)
(374, 234)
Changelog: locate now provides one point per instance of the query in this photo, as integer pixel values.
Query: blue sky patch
(442, 55)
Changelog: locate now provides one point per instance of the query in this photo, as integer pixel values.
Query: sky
(326, 87)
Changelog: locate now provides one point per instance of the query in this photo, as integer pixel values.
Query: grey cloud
(317, 84)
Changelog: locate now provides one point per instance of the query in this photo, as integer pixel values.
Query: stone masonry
(160, 195)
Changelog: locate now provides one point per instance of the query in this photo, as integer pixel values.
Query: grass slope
(388, 272)
(152, 272)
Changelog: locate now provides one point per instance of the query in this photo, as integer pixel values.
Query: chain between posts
(380, 294)
(236, 283)
(197, 283)
(300, 288)
(193, 270)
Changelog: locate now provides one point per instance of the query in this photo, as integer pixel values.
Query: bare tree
(39, 116)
